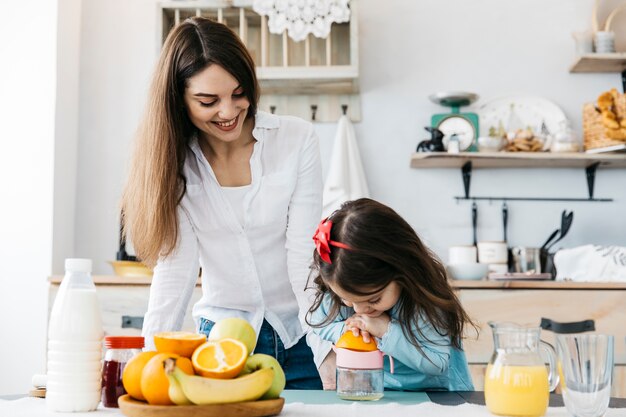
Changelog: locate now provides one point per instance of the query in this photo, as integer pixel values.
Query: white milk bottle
(75, 342)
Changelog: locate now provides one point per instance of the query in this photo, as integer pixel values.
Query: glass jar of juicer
(360, 375)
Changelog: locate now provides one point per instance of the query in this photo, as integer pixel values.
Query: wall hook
(313, 111)
(272, 109)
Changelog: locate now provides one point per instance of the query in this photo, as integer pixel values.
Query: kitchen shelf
(615, 62)
(468, 160)
(595, 63)
(515, 160)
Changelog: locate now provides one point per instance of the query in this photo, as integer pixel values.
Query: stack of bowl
(462, 264)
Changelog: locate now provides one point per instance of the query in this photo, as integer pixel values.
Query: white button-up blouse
(258, 269)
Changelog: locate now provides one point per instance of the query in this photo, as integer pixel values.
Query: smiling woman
(216, 184)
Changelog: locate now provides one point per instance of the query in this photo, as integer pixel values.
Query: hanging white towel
(346, 178)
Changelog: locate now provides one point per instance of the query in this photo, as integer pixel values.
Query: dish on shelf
(130, 269)
(533, 112)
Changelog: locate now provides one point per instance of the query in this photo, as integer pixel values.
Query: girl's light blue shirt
(440, 367)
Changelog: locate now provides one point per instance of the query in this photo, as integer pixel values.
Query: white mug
(461, 255)
(492, 252)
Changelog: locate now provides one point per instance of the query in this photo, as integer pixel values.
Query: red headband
(323, 242)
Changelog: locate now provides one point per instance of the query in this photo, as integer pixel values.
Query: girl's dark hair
(385, 248)
(156, 184)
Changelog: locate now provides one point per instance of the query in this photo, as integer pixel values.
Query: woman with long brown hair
(215, 183)
(375, 277)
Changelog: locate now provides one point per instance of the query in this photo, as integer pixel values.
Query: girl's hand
(368, 326)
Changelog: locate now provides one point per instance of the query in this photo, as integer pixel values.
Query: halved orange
(349, 341)
(223, 359)
(181, 343)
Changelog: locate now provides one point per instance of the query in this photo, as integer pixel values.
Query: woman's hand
(368, 326)
(327, 371)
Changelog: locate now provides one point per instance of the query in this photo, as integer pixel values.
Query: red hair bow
(323, 242)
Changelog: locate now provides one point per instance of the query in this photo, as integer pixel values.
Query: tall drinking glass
(586, 366)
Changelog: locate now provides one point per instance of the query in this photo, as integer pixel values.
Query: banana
(175, 391)
(202, 391)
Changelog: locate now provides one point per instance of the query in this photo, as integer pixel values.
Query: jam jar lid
(124, 342)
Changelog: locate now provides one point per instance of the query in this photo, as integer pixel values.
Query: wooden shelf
(615, 62)
(336, 79)
(516, 160)
(552, 285)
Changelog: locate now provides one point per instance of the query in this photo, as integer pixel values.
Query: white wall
(408, 50)
(27, 125)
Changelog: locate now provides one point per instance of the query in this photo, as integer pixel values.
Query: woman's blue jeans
(297, 361)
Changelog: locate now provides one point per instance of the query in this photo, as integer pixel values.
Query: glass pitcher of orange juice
(517, 382)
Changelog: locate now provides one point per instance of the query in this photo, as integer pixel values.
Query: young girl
(375, 277)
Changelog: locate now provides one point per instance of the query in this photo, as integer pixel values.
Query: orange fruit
(154, 382)
(223, 359)
(181, 343)
(349, 341)
(131, 376)
(234, 328)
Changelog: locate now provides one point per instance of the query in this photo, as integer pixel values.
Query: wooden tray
(133, 408)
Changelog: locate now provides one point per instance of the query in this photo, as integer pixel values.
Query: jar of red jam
(119, 351)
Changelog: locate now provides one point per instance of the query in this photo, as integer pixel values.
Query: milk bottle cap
(78, 265)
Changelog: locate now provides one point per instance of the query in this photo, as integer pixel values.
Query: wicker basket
(594, 132)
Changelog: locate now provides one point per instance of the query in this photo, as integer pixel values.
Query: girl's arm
(173, 282)
(332, 331)
(436, 350)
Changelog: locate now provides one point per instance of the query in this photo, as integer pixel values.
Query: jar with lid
(120, 349)
(360, 375)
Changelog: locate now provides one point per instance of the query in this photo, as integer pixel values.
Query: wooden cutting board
(133, 408)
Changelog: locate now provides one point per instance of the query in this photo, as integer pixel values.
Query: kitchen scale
(462, 125)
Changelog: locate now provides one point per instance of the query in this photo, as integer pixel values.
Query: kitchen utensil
(464, 126)
(492, 252)
(566, 224)
(549, 239)
(461, 255)
(505, 219)
(469, 271)
(474, 221)
(517, 382)
(360, 374)
(134, 408)
(526, 260)
(586, 364)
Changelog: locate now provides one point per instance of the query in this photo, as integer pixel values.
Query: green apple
(261, 361)
(234, 328)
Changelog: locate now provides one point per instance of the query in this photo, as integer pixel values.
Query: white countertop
(36, 407)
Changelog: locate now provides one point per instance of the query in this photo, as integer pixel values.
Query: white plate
(531, 111)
